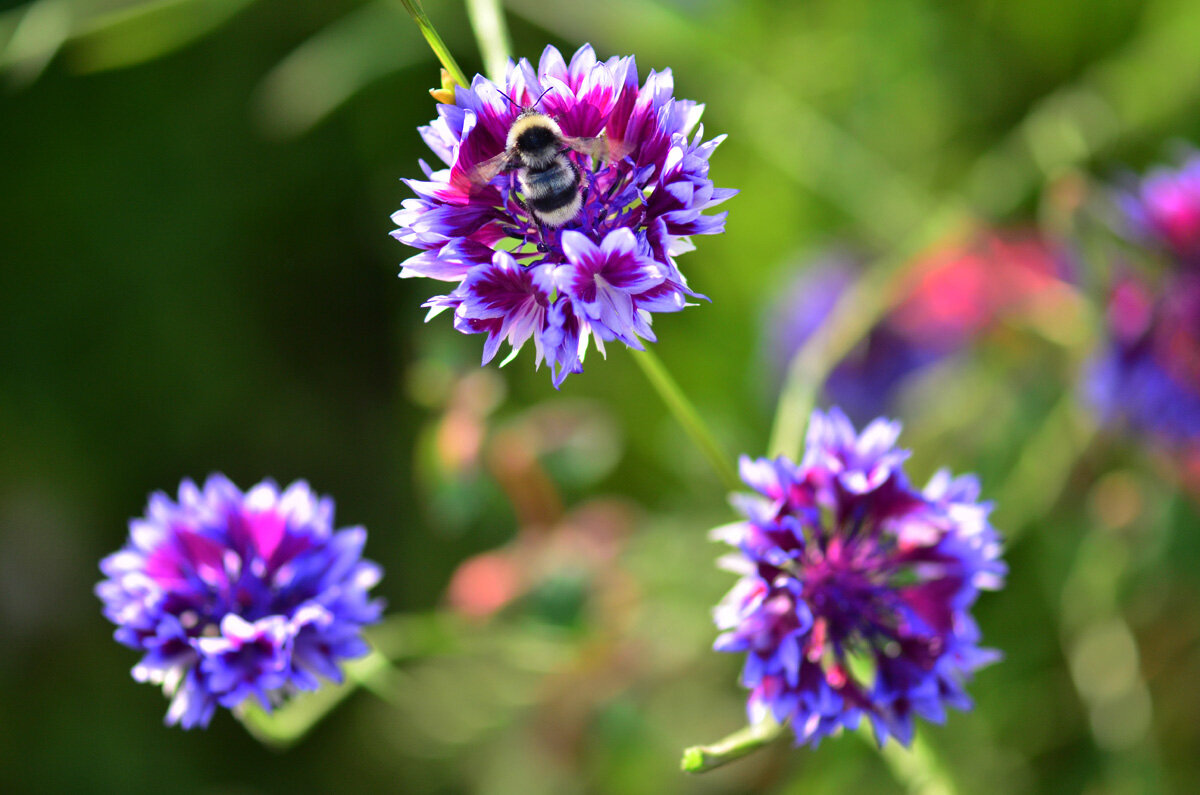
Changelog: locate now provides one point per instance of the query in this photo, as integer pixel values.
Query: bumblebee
(551, 184)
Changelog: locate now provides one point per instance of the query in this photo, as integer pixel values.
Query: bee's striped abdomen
(552, 193)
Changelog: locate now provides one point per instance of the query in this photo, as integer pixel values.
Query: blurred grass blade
(145, 31)
(491, 31)
(33, 36)
(331, 67)
(1040, 475)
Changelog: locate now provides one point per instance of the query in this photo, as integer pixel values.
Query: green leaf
(288, 724)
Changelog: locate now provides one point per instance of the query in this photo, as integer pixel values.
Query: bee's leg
(542, 246)
(516, 197)
(511, 192)
(585, 191)
(590, 184)
(612, 190)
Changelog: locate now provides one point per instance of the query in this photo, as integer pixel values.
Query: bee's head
(536, 136)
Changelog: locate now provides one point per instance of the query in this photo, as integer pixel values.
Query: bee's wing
(483, 173)
(592, 147)
(601, 147)
(618, 150)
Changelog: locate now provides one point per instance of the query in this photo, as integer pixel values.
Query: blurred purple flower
(958, 293)
(1148, 375)
(857, 588)
(1164, 210)
(232, 596)
(604, 272)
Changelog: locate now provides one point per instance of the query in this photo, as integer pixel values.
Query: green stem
(687, 416)
(491, 31)
(856, 313)
(417, 12)
(917, 767)
(702, 758)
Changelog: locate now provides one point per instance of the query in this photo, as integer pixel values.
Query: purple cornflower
(1164, 210)
(604, 272)
(232, 596)
(857, 588)
(1148, 376)
(1148, 373)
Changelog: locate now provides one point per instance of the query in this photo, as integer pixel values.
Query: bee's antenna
(539, 99)
(515, 104)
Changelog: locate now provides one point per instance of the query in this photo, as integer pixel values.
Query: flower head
(857, 588)
(1148, 375)
(599, 275)
(1164, 210)
(234, 595)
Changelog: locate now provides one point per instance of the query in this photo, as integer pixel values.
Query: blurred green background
(197, 276)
